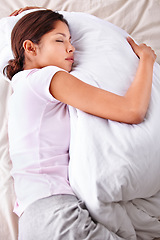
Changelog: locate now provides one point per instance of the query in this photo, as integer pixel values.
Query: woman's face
(55, 48)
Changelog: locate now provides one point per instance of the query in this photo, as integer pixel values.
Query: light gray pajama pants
(60, 217)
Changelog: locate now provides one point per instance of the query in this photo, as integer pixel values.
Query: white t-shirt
(39, 137)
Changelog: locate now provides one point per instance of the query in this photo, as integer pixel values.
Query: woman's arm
(130, 108)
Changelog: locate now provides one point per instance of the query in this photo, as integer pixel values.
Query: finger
(131, 41)
(20, 10)
(14, 13)
(133, 45)
(25, 8)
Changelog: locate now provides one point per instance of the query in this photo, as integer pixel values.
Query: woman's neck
(30, 65)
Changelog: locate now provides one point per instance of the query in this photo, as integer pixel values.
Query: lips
(70, 59)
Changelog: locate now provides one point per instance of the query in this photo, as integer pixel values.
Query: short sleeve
(40, 79)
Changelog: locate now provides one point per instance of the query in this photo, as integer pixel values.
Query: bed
(138, 206)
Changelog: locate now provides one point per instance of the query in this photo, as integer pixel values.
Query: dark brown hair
(30, 27)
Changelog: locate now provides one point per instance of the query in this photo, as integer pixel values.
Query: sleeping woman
(39, 124)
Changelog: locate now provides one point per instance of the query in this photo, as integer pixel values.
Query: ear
(29, 47)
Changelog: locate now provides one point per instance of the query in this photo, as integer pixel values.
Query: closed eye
(59, 41)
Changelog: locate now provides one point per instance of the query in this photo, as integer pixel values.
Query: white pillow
(110, 162)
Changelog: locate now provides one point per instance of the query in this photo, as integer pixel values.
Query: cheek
(60, 52)
(50, 48)
(57, 50)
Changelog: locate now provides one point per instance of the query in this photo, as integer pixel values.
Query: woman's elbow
(137, 116)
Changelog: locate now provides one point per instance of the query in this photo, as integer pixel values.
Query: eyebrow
(64, 35)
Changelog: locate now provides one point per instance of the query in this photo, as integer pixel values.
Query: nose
(70, 48)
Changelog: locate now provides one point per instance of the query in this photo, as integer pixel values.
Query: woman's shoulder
(39, 80)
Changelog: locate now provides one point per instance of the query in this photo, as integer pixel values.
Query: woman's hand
(142, 51)
(16, 12)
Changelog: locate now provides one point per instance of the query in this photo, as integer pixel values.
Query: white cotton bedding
(114, 167)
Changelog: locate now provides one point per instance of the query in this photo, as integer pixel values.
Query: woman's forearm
(138, 95)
